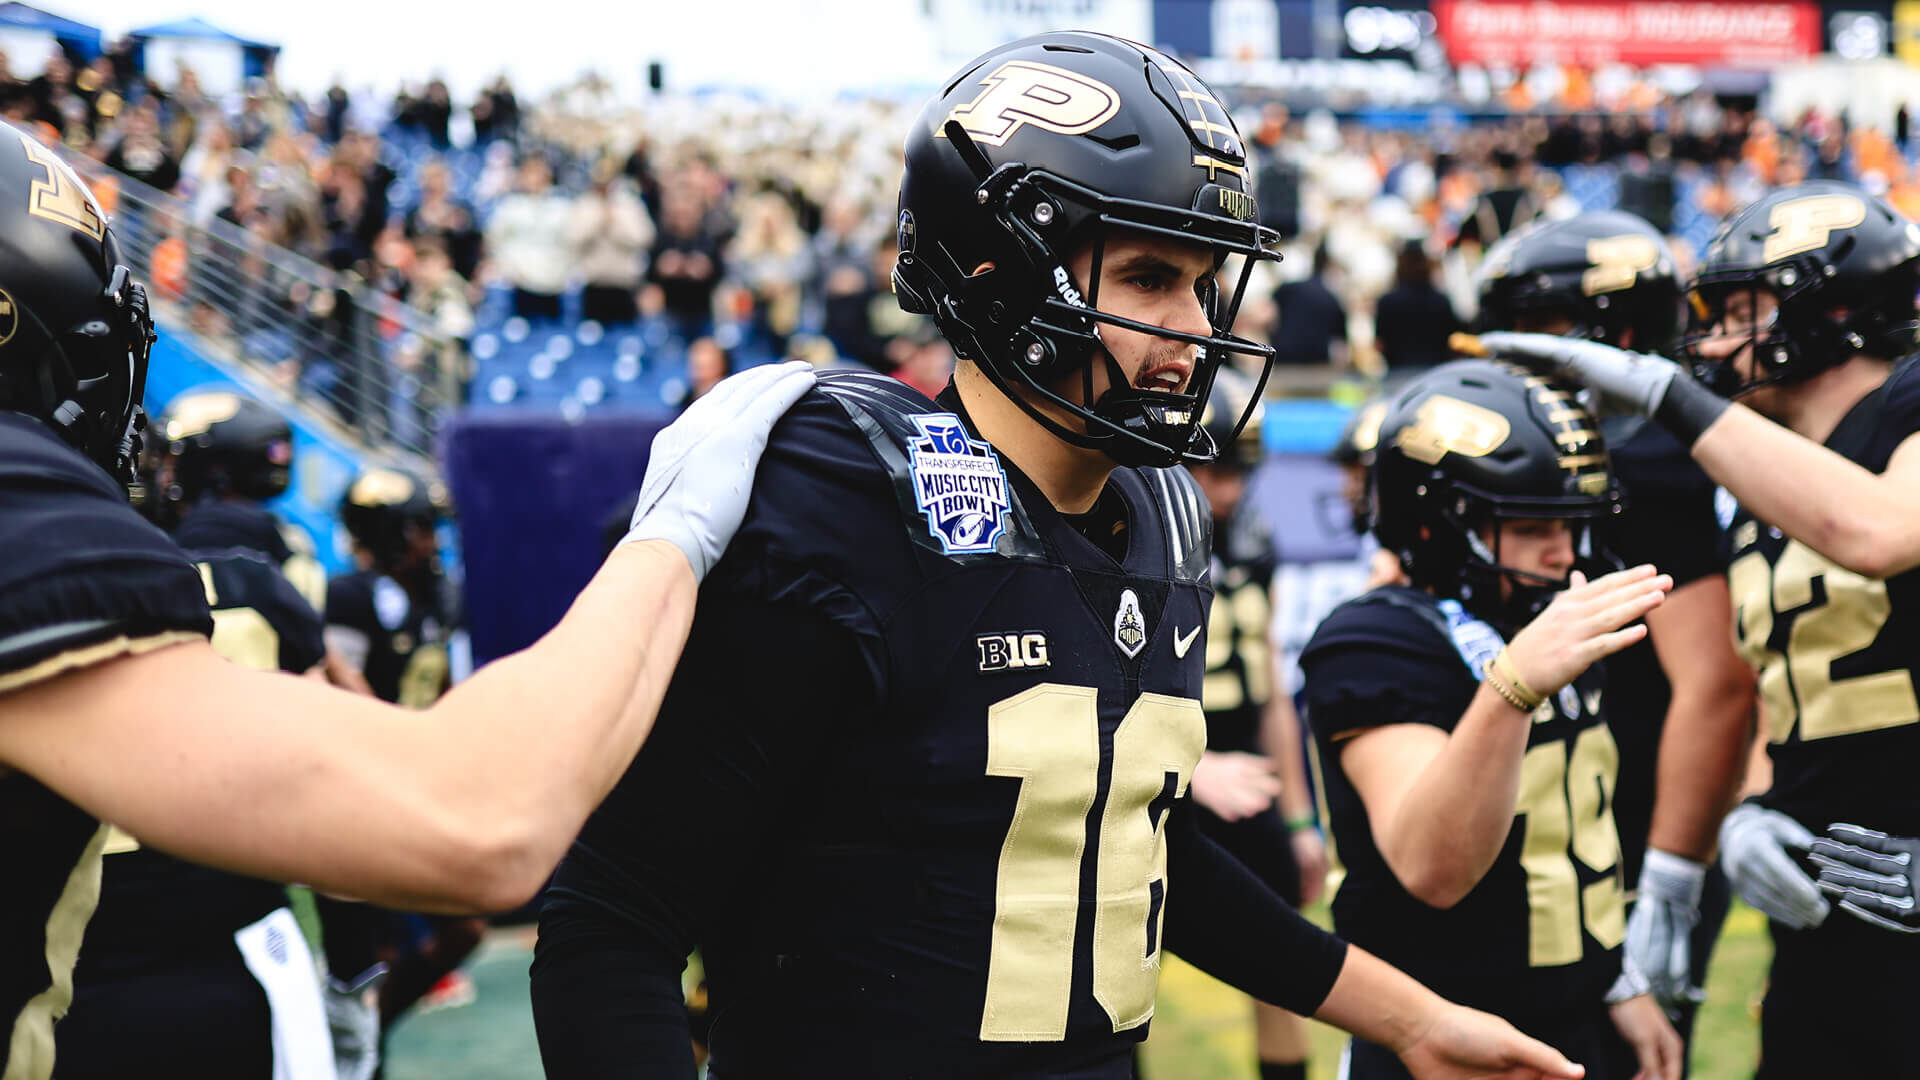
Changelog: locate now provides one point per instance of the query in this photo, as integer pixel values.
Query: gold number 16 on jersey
(1049, 738)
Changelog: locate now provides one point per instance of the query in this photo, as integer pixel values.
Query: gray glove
(1754, 845)
(1636, 383)
(1875, 876)
(700, 471)
(353, 1019)
(1660, 930)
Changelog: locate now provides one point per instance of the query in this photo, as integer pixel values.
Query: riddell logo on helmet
(1063, 282)
(1022, 92)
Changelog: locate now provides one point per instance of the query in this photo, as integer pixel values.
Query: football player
(189, 970)
(221, 455)
(1804, 310)
(114, 707)
(1445, 709)
(1250, 791)
(941, 703)
(1680, 701)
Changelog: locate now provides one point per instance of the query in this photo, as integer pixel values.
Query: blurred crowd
(730, 231)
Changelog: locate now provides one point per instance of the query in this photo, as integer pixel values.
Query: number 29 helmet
(1033, 151)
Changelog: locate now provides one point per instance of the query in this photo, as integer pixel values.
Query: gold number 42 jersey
(1837, 652)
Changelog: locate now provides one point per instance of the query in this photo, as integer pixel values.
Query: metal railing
(347, 354)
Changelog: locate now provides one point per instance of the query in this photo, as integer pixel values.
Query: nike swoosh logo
(1182, 644)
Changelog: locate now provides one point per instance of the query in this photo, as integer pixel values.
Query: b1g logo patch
(959, 485)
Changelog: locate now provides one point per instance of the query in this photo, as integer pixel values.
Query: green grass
(1202, 1030)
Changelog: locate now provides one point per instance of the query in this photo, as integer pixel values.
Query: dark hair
(1412, 267)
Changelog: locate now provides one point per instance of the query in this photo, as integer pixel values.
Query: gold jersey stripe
(88, 655)
(30, 1042)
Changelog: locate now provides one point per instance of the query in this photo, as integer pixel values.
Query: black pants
(534, 306)
(608, 305)
(1842, 1000)
(204, 1016)
(1261, 843)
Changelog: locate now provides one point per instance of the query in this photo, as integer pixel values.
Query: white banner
(963, 29)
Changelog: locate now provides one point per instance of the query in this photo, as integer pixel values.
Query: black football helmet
(1356, 449)
(1042, 146)
(1232, 420)
(75, 331)
(1844, 266)
(384, 504)
(220, 442)
(1609, 273)
(1469, 444)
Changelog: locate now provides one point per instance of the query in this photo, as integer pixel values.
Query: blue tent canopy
(76, 37)
(257, 54)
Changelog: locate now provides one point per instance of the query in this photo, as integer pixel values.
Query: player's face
(1746, 317)
(1539, 546)
(1154, 281)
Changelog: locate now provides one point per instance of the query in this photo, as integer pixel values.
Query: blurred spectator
(610, 232)
(1413, 319)
(1313, 324)
(203, 171)
(251, 129)
(339, 102)
(1278, 174)
(686, 262)
(929, 362)
(436, 113)
(443, 217)
(707, 364)
(496, 113)
(140, 153)
(527, 238)
(770, 257)
(56, 103)
(1500, 209)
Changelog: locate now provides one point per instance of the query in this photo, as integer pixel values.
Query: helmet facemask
(1483, 567)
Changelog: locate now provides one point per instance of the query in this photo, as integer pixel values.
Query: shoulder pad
(1188, 520)
(951, 487)
(1391, 616)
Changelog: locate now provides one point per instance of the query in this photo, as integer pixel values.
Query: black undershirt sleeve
(674, 845)
(1225, 921)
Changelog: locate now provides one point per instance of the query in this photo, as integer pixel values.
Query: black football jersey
(1668, 521)
(408, 634)
(216, 525)
(962, 870)
(155, 908)
(83, 579)
(1539, 936)
(1239, 667)
(1837, 652)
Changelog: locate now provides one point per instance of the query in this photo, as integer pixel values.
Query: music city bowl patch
(959, 485)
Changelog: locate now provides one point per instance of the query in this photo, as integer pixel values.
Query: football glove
(700, 471)
(1754, 847)
(353, 1019)
(1660, 930)
(1875, 877)
(1635, 383)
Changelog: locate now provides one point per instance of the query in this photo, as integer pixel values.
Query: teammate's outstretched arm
(467, 805)
(1857, 518)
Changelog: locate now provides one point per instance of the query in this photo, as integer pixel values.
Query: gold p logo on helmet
(1446, 425)
(1024, 92)
(1804, 224)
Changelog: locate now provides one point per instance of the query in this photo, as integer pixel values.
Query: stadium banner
(1703, 32)
(966, 28)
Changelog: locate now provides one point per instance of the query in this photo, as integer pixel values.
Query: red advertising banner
(1639, 32)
